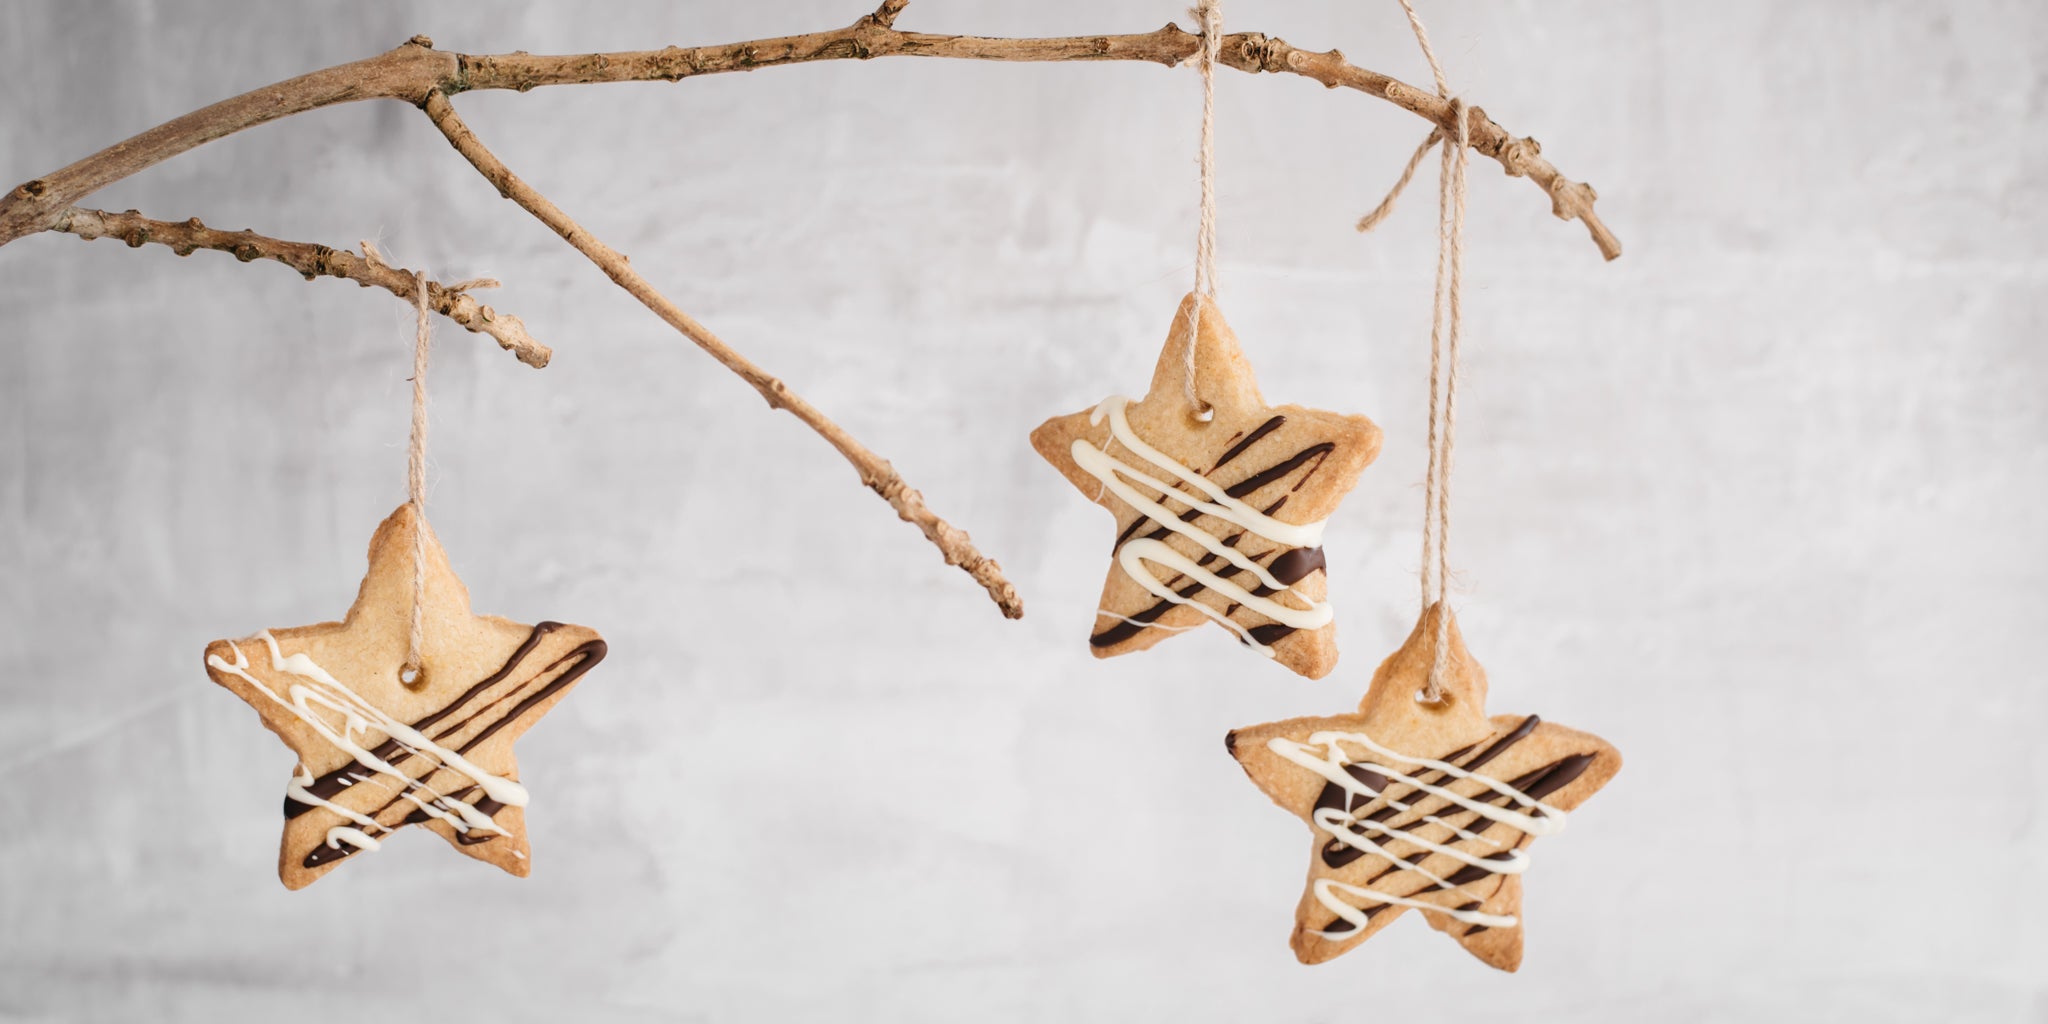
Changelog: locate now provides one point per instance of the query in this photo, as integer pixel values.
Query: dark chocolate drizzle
(327, 786)
(574, 664)
(1250, 439)
(1536, 784)
(1293, 565)
(1336, 854)
(1289, 565)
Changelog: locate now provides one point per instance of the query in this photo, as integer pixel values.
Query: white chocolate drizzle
(1326, 756)
(1118, 478)
(1324, 887)
(358, 718)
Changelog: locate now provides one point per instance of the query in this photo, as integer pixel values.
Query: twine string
(416, 477)
(1209, 15)
(1443, 88)
(1436, 69)
(1446, 326)
(1443, 364)
(1386, 207)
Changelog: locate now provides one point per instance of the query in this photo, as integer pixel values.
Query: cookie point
(1230, 741)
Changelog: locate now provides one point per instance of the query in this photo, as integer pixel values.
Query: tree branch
(407, 73)
(417, 74)
(311, 260)
(875, 471)
(415, 69)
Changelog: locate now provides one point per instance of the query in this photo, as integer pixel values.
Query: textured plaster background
(1761, 502)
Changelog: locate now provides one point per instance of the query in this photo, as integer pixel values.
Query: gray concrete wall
(1761, 503)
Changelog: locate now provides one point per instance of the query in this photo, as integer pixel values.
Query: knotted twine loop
(1209, 15)
(1446, 325)
(416, 478)
(1436, 134)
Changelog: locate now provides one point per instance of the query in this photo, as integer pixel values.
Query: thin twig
(415, 69)
(311, 260)
(875, 471)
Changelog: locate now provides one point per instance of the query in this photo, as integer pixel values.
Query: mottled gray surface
(1761, 503)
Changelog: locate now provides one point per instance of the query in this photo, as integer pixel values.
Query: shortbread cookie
(1421, 806)
(1218, 521)
(378, 752)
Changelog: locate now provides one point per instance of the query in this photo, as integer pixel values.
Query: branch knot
(1258, 51)
(1518, 155)
(1569, 199)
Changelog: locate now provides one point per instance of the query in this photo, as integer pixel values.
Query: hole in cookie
(1441, 703)
(1204, 414)
(413, 676)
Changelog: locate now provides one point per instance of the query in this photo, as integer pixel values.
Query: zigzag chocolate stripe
(1535, 785)
(1336, 854)
(1290, 565)
(326, 787)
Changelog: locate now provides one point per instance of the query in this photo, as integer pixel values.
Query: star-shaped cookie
(1423, 806)
(377, 752)
(1218, 521)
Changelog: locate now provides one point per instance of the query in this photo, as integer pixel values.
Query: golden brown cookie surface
(1218, 521)
(376, 752)
(1419, 806)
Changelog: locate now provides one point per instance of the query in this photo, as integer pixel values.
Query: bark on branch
(311, 260)
(415, 69)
